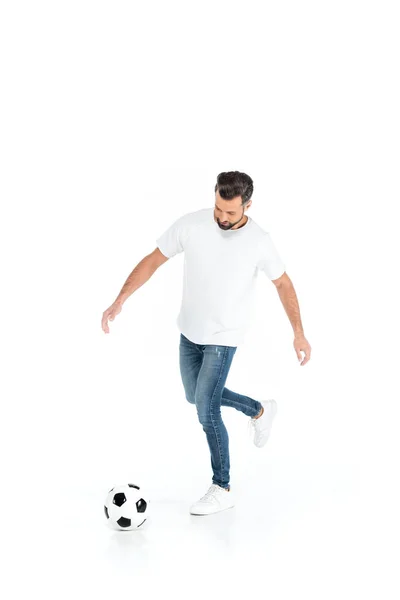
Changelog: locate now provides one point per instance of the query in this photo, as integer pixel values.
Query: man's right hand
(109, 315)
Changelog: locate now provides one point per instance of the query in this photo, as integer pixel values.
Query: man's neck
(247, 218)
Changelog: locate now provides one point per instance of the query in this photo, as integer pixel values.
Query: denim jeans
(204, 371)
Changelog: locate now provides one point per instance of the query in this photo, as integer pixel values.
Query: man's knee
(205, 415)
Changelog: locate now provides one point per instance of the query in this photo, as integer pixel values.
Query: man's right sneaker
(216, 499)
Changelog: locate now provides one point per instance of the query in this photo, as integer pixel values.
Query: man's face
(229, 214)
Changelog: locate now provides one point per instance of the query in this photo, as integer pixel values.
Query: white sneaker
(216, 499)
(260, 428)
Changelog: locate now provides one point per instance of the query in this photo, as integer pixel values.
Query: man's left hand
(300, 344)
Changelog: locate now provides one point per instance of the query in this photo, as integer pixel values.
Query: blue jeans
(204, 371)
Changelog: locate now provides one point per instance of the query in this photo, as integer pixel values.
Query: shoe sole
(199, 514)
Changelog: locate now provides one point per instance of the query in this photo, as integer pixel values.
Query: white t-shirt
(220, 270)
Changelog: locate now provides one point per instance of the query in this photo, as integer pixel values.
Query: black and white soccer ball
(126, 507)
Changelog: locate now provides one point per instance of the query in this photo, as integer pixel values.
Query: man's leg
(190, 361)
(191, 358)
(245, 404)
(210, 383)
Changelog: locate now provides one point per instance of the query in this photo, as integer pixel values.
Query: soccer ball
(125, 507)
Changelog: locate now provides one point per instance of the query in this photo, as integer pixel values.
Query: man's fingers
(302, 346)
(109, 315)
(104, 323)
(307, 354)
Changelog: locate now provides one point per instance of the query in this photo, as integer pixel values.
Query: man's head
(233, 191)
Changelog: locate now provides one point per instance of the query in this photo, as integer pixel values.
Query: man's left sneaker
(260, 428)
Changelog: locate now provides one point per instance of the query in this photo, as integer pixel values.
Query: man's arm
(290, 303)
(288, 298)
(140, 274)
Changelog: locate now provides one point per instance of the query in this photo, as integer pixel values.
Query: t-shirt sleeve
(171, 242)
(269, 259)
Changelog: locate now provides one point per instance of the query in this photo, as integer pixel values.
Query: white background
(116, 118)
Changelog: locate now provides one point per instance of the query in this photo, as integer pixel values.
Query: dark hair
(234, 183)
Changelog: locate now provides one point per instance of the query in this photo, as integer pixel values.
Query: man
(224, 251)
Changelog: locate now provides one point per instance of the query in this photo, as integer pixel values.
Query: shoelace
(210, 494)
